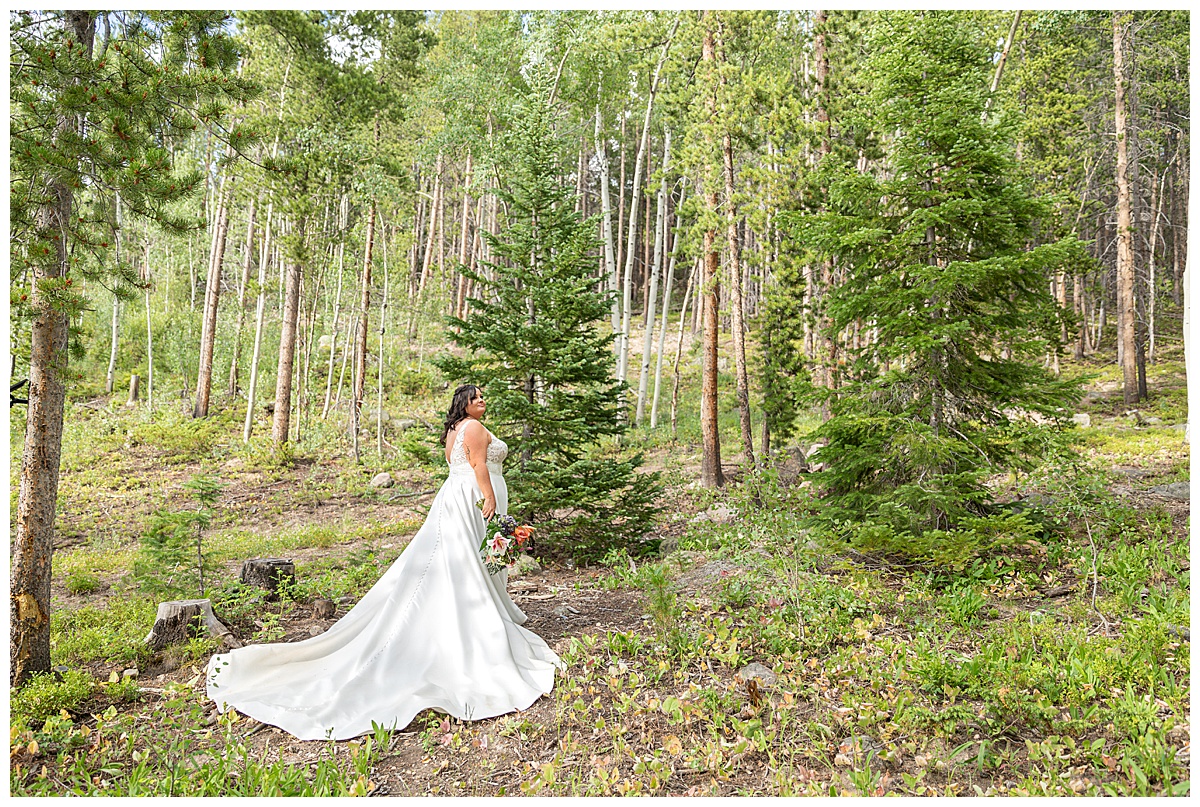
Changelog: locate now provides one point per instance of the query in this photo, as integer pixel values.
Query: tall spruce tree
(534, 343)
(935, 259)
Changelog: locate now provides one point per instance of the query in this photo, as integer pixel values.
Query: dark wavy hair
(458, 408)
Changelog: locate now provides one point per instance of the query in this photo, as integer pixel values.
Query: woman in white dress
(436, 631)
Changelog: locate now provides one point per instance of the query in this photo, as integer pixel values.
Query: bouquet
(503, 541)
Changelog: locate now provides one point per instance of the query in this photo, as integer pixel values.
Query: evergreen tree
(935, 259)
(534, 343)
(91, 120)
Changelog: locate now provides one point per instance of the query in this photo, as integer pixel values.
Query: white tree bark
(260, 312)
(631, 241)
(662, 331)
(149, 338)
(660, 220)
(343, 219)
(382, 330)
(116, 310)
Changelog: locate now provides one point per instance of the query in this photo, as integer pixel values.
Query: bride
(436, 631)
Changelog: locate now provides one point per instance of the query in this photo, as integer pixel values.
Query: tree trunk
(234, 369)
(643, 274)
(149, 336)
(736, 307)
(343, 219)
(30, 575)
(1179, 230)
(621, 209)
(1082, 345)
(660, 222)
(662, 331)
(365, 305)
(687, 294)
(711, 475)
(212, 298)
(364, 311)
(1126, 324)
(1012, 33)
(631, 241)
(110, 379)
(192, 278)
(606, 221)
(287, 348)
(382, 331)
(427, 263)
(461, 292)
(260, 313)
(1156, 206)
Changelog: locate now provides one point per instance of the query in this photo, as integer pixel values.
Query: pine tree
(533, 342)
(934, 256)
(91, 120)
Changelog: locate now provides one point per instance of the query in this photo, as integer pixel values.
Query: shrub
(45, 695)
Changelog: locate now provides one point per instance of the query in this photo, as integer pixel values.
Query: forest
(840, 356)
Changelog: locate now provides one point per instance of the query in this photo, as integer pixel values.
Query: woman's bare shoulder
(474, 431)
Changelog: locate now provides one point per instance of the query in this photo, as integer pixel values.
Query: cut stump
(268, 573)
(179, 620)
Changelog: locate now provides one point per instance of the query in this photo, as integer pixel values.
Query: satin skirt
(436, 632)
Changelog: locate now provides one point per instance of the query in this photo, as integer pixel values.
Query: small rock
(235, 464)
(60, 671)
(765, 677)
(563, 612)
(406, 424)
(1178, 491)
(315, 630)
(382, 480)
(1152, 421)
(132, 672)
(668, 545)
(719, 513)
(1083, 420)
(323, 609)
(525, 565)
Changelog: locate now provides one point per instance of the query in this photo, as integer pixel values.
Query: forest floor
(752, 658)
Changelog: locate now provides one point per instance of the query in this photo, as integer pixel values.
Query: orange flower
(522, 534)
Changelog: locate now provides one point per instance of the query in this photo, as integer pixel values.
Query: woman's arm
(475, 441)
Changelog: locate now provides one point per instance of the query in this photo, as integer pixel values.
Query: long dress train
(435, 632)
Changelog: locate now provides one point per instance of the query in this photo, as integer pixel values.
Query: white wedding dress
(436, 632)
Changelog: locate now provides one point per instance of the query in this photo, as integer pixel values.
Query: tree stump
(268, 573)
(180, 620)
(324, 609)
(134, 383)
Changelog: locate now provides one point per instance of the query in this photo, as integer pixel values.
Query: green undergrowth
(958, 682)
(172, 751)
(1047, 657)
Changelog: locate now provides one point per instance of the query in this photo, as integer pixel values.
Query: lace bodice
(497, 450)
